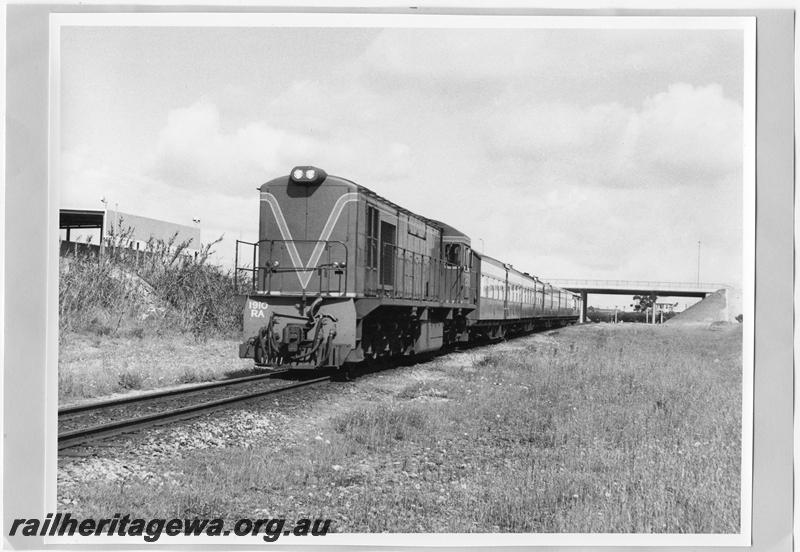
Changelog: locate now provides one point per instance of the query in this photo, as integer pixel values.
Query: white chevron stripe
(272, 201)
(305, 275)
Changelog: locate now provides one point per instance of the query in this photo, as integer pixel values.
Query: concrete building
(106, 224)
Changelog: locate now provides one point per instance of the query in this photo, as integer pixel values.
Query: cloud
(685, 135)
(195, 150)
(463, 54)
(572, 64)
(569, 153)
(688, 132)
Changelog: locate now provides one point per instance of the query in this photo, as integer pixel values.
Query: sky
(569, 153)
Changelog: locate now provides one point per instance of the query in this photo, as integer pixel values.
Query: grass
(133, 320)
(94, 366)
(623, 428)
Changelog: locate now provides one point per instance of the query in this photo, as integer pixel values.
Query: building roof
(141, 228)
(80, 218)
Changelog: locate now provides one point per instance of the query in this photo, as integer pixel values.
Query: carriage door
(388, 253)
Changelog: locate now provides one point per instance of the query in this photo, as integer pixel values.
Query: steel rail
(142, 397)
(76, 437)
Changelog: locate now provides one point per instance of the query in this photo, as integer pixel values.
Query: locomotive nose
(297, 335)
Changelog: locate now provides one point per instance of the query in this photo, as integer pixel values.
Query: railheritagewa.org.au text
(151, 530)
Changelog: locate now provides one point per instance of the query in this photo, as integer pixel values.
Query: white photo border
(261, 19)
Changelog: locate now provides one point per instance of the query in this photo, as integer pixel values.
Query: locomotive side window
(372, 237)
(452, 253)
(416, 228)
(388, 252)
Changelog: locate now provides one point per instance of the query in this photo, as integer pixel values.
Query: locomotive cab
(457, 255)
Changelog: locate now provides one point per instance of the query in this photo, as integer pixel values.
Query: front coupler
(291, 332)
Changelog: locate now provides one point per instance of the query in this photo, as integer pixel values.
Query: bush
(161, 288)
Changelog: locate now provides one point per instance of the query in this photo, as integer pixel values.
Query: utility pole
(198, 246)
(116, 224)
(104, 201)
(698, 261)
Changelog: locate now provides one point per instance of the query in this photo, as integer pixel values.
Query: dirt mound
(720, 306)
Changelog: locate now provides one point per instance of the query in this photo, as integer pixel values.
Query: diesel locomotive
(340, 275)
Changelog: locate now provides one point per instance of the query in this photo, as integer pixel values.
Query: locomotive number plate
(258, 309)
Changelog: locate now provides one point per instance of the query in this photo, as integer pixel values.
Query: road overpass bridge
(634, 287)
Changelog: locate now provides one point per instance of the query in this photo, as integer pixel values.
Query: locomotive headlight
(308, 175)
(276, 264)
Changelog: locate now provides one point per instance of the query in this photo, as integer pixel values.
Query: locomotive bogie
(400, 331)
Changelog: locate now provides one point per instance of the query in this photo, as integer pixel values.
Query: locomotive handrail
(269, 270)
(436, 290)
(411, 271)
(317, 266)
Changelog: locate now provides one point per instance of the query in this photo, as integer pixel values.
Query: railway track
(81, 424)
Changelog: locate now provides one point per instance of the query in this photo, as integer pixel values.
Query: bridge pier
(584, 306)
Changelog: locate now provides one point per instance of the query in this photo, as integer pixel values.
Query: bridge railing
(635, 284)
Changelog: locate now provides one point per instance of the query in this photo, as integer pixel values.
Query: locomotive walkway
(634, 287)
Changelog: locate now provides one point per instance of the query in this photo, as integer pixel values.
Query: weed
(130, 380)
(486, 361)
(412, 391)
(190, 375)
(375, 427)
